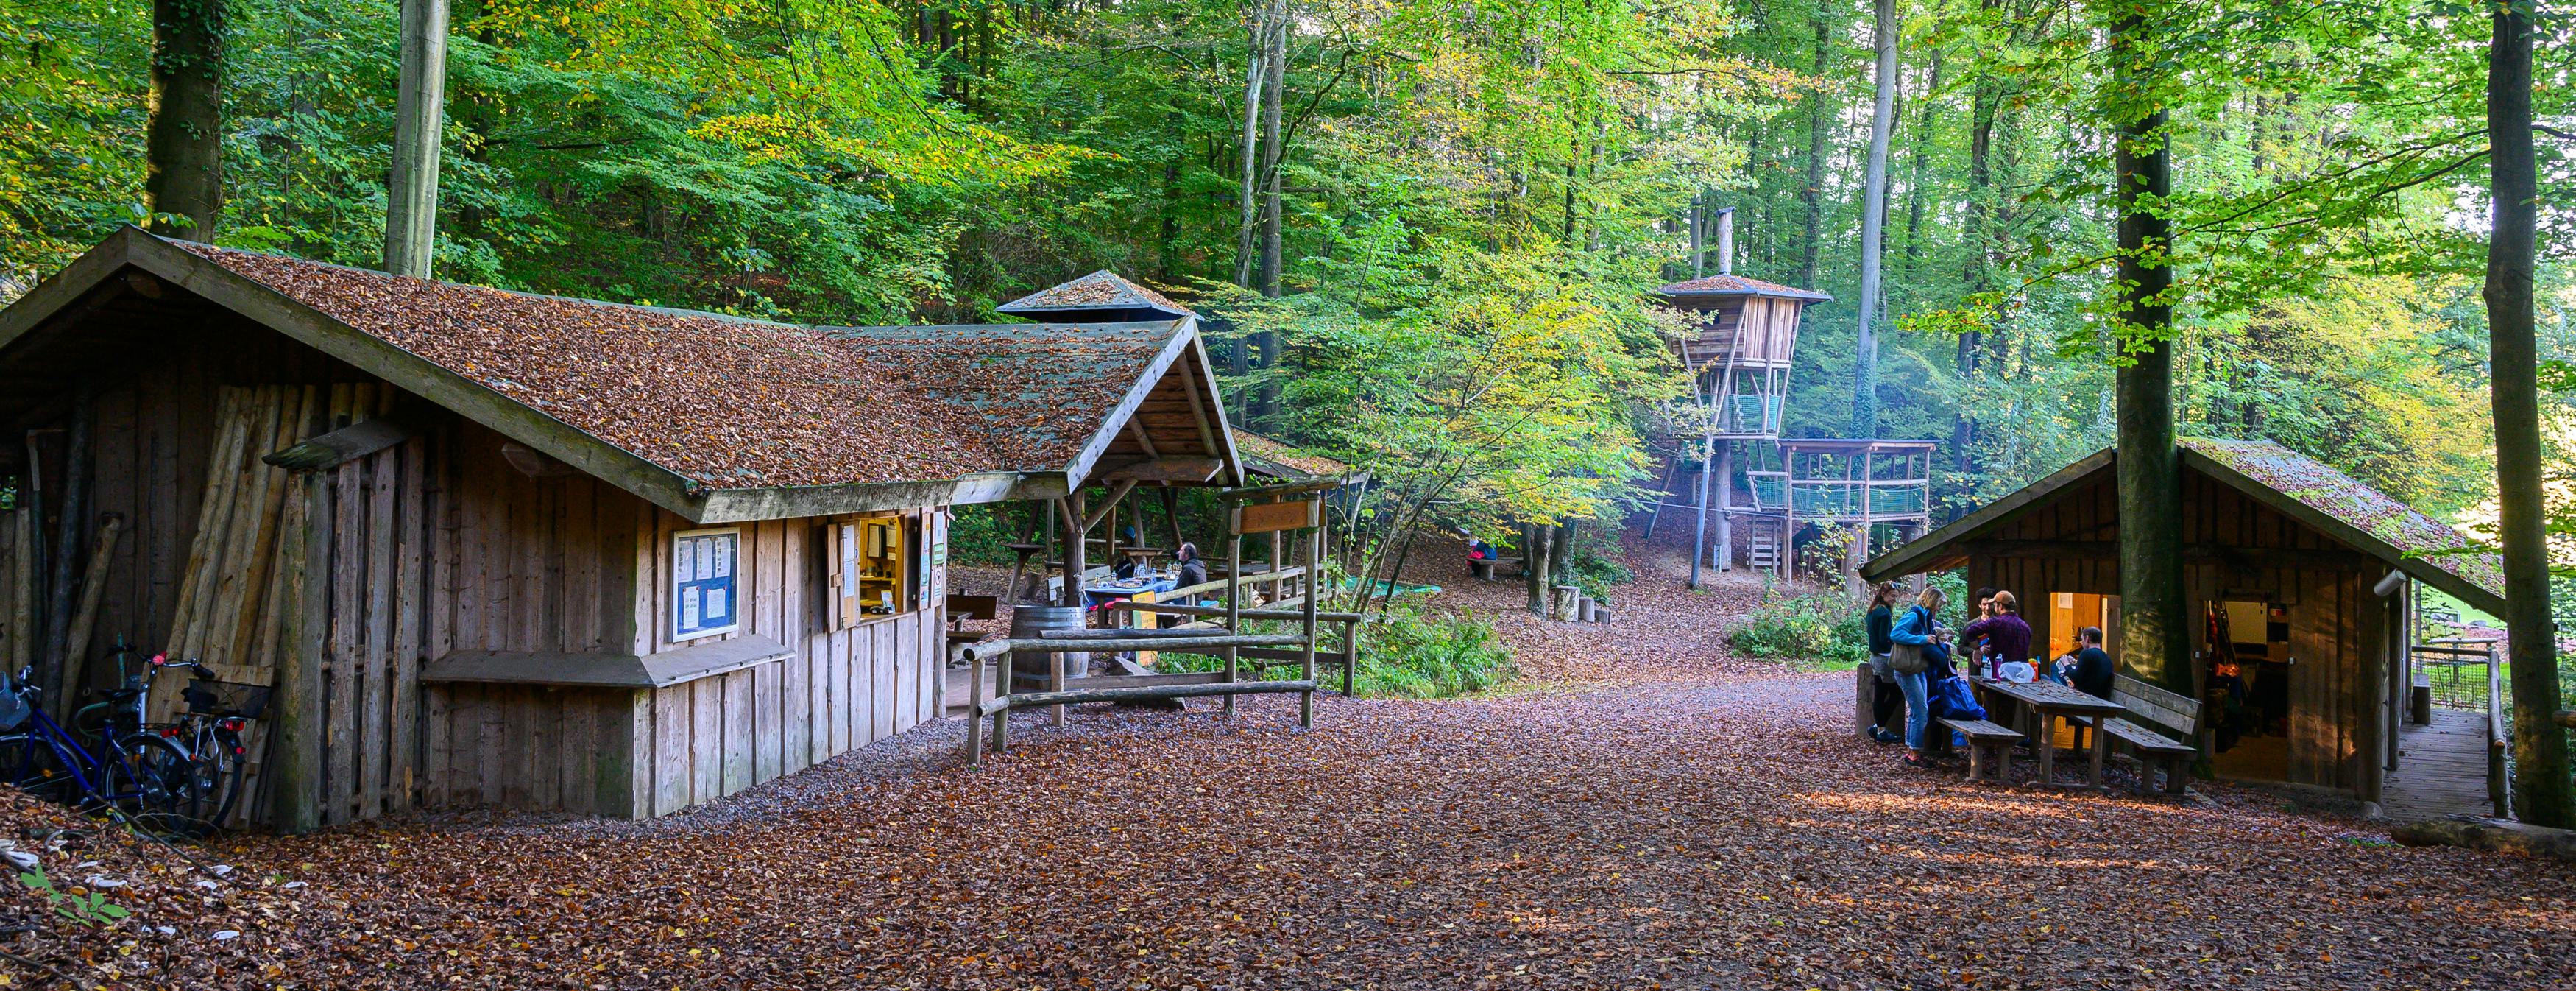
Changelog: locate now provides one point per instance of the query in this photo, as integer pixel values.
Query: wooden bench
(1989, 746)
(2155, 705)
(1483, 568)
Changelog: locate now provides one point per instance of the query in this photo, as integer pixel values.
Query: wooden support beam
(1138, 693)
(1191, 470)
(1186, 610)
(1116, 493)
(341, 446)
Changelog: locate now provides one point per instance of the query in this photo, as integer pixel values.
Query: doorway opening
(2247, 704)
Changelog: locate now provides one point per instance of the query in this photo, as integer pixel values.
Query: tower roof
(1737, 285)
(1099, 297)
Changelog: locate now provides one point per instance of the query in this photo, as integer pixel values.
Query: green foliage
(1821, 630)
(89, 908)
(1415, 653)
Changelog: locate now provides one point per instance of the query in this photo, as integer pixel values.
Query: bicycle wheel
(221, 765)
(157, 784)
(30, 762)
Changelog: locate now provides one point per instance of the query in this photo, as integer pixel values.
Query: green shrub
(1427, 655)
(1822, 629)
(1594, 572)
(1412, 653)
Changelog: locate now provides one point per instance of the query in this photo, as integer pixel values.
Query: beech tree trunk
(183, 184)
(1873, 227)
(411, 200)
(1922, 155)
(1813, 195)
(2540, 785)
(2154, 640)
(1275, 93)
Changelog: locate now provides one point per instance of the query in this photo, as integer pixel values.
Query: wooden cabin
(2303, 578)
(538, 552)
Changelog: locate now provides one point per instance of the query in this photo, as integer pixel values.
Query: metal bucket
(1029, 669)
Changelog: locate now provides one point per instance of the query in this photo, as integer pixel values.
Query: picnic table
(1099, 594)
(2048, 701)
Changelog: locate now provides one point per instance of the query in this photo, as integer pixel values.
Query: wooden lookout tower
(1739, 361)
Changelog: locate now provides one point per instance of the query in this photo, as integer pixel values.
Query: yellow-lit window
(871, 570)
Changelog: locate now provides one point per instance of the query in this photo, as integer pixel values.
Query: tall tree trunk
(2540, 785)
(1922, 155)
(1981, 135)
(1873, 227)
(1534, 557)
(1256, 73)
(1812, 195)
(2154, 642)
(411, 198)
(1271, 155)
(183, 144)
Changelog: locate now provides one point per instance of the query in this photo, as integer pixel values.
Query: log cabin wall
(2236, 548)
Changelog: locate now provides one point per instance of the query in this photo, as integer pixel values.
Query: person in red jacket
(1999, 639)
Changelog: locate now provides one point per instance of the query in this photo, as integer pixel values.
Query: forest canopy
(1471, 200)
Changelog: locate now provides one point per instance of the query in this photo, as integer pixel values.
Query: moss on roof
(2320, 487)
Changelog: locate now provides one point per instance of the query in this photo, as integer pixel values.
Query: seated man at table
(1187, 570)
(2089, 668)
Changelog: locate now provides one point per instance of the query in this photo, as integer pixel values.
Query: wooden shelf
(670, 667)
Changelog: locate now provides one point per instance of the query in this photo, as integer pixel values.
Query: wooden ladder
(1761, 549)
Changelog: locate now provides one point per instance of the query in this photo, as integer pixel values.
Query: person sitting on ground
(2089, 667)
(1921, 627)
(1885, 697)
(1999, 639)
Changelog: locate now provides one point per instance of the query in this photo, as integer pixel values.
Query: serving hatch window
(871, 572)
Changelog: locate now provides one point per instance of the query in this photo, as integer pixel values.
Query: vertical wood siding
(438, 546)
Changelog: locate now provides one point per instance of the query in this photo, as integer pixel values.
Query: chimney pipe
(1726, 241)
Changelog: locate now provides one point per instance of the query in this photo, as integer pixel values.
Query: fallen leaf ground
(1661, 816)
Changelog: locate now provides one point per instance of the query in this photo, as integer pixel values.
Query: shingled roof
(1737, 285)
(1100, 296)
(2301, 487)
(716, 417)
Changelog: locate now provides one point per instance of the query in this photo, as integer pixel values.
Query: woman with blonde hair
(1921, 627)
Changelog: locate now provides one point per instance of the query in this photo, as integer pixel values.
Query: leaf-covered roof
(1737, 285)
(1101, 290)
(736, 403)
(2348, 500)
(1279, 459)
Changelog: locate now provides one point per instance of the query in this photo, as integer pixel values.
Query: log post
(298, 710)
(1233, 595)
(1306, 665)
(93, 585)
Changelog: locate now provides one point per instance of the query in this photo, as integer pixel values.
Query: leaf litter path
(1722, 830)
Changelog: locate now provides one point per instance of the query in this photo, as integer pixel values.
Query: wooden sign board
(1270, 517)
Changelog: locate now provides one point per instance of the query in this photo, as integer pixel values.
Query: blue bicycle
(118, 768)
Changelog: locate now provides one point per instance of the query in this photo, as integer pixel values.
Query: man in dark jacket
(2089, 668)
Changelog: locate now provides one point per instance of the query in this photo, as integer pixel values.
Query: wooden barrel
(1028, 668)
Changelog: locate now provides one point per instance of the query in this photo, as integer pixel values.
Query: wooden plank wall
(2337, 630)
(17, 591)
(843, 689)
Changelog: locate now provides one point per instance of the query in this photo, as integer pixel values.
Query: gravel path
(1708, 824)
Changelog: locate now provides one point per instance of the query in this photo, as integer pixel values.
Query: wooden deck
(2441, 769)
